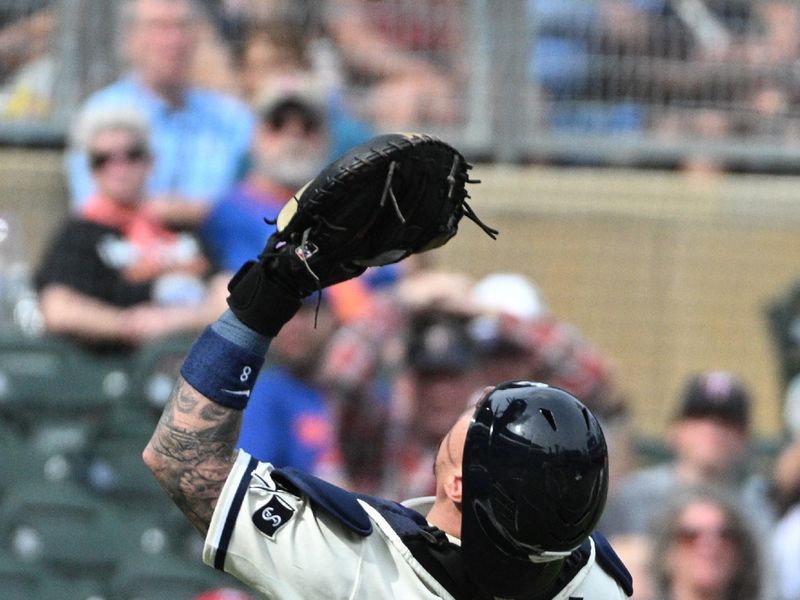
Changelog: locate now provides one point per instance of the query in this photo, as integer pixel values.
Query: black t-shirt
(82, 257)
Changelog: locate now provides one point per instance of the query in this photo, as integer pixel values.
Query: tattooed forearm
(192, 451)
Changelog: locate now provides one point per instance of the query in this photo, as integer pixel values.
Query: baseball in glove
(393, 196)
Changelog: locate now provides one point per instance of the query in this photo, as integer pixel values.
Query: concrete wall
(33, 196)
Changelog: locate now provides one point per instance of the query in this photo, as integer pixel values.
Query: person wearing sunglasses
(115, 276)
(200, 136)
(704, 550)
(709, 439)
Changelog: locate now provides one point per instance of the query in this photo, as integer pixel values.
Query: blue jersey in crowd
(234, 231)
(288, 423)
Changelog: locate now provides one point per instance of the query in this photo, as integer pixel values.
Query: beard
(293, 168)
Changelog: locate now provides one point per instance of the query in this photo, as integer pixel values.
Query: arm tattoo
(195, 441)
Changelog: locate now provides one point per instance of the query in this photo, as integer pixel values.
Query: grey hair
(94, 121)
(747, 578)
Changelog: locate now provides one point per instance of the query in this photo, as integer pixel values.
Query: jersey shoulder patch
(611, 563)
(338, 503)
(273, 515)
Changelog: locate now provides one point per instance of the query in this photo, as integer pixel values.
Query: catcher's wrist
(260, 301)
(221, 370)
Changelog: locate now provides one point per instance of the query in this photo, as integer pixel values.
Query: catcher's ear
(453, 487)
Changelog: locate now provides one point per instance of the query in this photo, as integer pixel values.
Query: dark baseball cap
(716, 394)
(440, 343)
(300, 94)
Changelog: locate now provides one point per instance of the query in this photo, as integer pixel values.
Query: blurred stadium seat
(52, 378)
(20, 580)
(56, 395)
(165, 577)
(116, 471)
(25, 581)
(155, 369)
(59, 526)
(12, 456)
(61, 588)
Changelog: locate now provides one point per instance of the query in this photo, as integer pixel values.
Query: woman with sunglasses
(116, 276)
(704, 550)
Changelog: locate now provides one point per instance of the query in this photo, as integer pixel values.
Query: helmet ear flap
(535, 481)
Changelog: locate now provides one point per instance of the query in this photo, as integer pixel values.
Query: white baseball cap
(509, 293)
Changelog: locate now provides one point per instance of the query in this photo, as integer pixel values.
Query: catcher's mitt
(393, 196)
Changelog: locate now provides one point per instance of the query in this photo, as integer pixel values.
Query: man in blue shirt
(290, 145)
(290, 420)
(200, 138)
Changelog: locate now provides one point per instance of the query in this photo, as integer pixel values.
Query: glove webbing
(304, 250)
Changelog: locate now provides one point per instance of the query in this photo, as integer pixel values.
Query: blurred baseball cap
(718, 395)
(509, 293)
(297, 92)
(455, 343)
(440, 343)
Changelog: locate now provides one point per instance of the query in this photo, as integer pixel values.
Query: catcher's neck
(446, 515)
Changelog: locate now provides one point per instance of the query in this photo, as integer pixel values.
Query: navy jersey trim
(337, 502)
(233, 513)
(611, 563)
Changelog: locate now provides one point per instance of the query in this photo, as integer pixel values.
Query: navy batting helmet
(535, 481)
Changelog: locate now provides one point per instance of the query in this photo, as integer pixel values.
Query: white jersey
(286, 547)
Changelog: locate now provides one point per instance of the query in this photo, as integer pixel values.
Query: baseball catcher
(521, 479)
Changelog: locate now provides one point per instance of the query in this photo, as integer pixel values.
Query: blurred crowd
(690, 69)
(177, 171)
(671, 70)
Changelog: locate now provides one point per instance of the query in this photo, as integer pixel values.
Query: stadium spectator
(115, 276)
(783, 320)
(635, 551)
(502, 328)
(785, 552)
(290, 418)
(786, 467)
(269, 50)
(289, 147)
(27, 68)
(572, 42)
(735, 74)
(405, 57)
(364, 367)
(703, 548)
(709, 438)
(441, 375)
(556, 352)
(785, 538)
(280, 50)
(200, 137)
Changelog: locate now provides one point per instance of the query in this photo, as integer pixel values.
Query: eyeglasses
(132, 154)
(690, 535)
